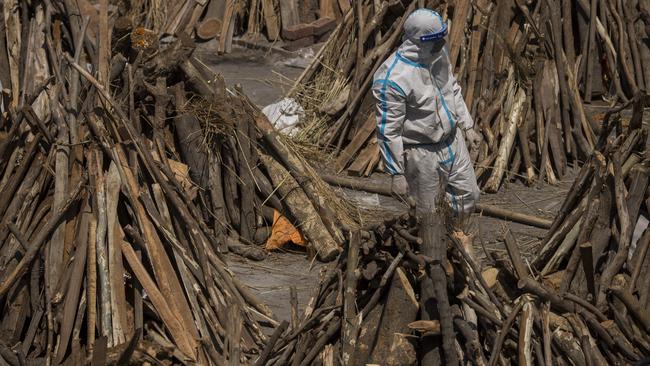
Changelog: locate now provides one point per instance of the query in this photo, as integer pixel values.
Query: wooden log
(252, 30)
(233, 337)
(73, 294)
(468, 329)
(271, 20)
(327, 8)
(190, 135)
(272, 341)
(515, 117)
(566, 247)
(461, 11)
(350, 324)
(356, 81)
(301, 208)
(289, 13)
(12, 186)
(400, 309)
(12, 22)
(507, 324)
(362, 135)
(344, 5)
(515, 256)
(558, 235)
(591, 50)
(526, 333)
(160, 261)
(479, 23)
(168, 317)
(369, 329)
(302, 175)
(430, 232)
(620, 35)
(565, 340)
(5, 75)
(506, 214)
(91, 285)
(227, 27)
(115, 265)
(105, 315)
(543, 292)
(640, 255)
(567, 32)
(365, 159)
(561, 74)
(620, 257)
(367, 335)
(245, 250)
(43, 234)
(632, 305)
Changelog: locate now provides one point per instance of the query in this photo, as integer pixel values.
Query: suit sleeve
(390, 108)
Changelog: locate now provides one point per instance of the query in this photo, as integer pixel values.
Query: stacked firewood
(368, 292)
(128, 170)
(403, 294)
(526, 69)
(293, 23)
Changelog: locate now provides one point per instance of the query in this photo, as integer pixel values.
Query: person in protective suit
(422, 119)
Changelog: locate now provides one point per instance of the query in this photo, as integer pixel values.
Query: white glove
(399, 186)
(473, 140)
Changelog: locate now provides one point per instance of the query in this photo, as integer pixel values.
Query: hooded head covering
(423, 30)
(424, 22)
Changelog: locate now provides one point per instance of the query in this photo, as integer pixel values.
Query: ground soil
(265, 78)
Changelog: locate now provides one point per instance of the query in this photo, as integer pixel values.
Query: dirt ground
(265, 78)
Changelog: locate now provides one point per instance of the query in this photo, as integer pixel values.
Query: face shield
(434, 42)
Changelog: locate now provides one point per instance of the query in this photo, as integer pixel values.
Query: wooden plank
(185, 344)
(104, 49)
(5, 76)
(12, 23)
(327, 8)
(479, 25)
(357, 142)
(57, 244)
(374, 162)
(344, 5)
(186, 277)
(461, 10)
(289, 13)
(115, 266)
(253, 28)
(105, 314)
(15, 313)
(363, 159)
(91, 285)
(194, 17)
(225, 39)
(233, 335)
(271, 19)
(163, 269)
(76, 281)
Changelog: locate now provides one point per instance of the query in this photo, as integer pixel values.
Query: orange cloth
(283, 232)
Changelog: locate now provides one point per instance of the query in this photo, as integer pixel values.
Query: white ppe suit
(420, 112)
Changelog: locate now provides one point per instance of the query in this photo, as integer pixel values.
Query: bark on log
(300, 207)
(505, 147)
(400, 308)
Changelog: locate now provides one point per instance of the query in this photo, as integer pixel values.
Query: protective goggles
(435, 36)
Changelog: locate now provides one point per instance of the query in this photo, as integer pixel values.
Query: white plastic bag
(285, 115)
